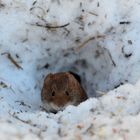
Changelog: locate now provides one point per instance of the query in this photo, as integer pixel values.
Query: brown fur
(62, 88)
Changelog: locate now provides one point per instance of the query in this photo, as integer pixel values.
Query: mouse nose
(60, 101)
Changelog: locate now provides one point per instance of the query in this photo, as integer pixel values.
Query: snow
(94, 43)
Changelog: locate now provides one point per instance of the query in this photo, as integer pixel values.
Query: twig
(88, 40)
(93, 14)
(8, 85)
(50, 26)
(27, 122)
(113, 62)
(13, 60)
(31, 9)
(23, 104)
(23, 121)
(34, 2)
(93, 38)
(125, 22)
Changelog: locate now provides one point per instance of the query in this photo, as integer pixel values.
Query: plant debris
(50, 26)
(125, 22)
(90, 39)
(12, 60)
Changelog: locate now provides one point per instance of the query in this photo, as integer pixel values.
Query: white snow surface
(100, 42)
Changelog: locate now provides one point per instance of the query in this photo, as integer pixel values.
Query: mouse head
(59, 90)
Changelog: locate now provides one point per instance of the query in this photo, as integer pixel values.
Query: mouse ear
(48, 76)
(76, 76)
(72, 78)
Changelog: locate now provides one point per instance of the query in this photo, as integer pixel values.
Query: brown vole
(60, 90)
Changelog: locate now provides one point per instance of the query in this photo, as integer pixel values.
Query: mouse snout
(60, 100)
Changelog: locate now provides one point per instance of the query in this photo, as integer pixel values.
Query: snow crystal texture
(97, 39)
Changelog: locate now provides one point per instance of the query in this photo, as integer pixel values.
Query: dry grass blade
(50, 26)
(13, 60)
(88, 40)
(93, 14)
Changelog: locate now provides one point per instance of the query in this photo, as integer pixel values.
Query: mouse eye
(67, 93)
(53, 93)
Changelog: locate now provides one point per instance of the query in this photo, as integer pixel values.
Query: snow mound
(99, 40)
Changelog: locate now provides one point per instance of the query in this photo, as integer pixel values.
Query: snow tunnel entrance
(93, 63)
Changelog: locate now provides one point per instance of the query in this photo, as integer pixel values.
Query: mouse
(60, 90)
